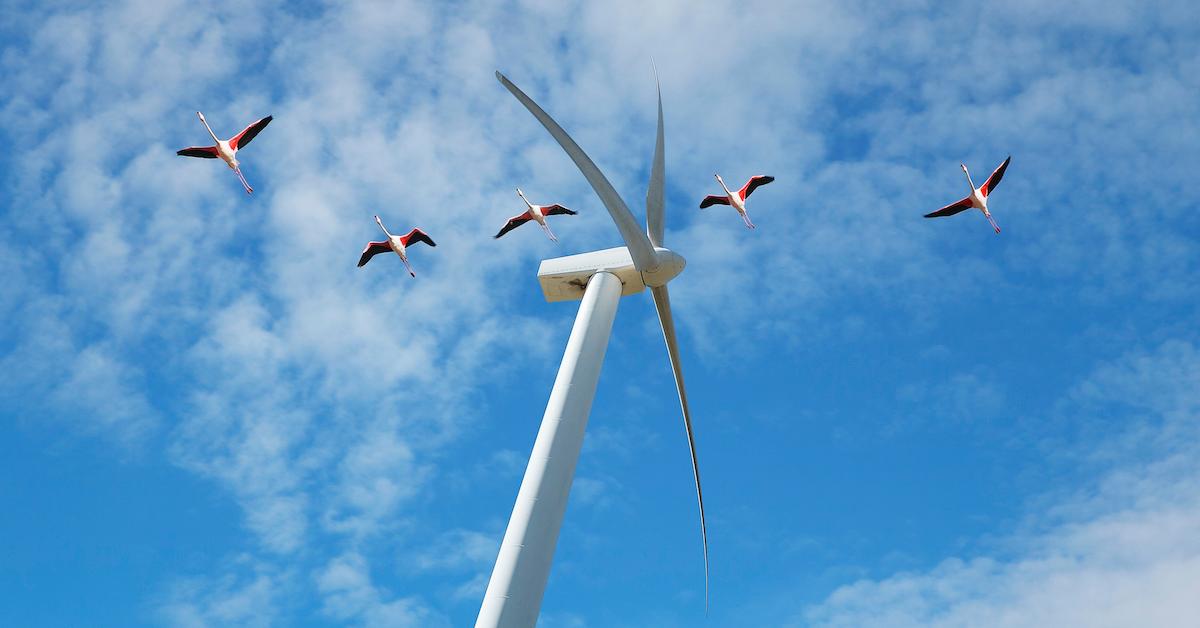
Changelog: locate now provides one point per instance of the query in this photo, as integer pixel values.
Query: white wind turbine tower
(600, 279)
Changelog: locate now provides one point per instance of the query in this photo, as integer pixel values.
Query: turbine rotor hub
(670, 264)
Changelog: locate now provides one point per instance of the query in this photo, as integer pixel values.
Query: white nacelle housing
(564, 278)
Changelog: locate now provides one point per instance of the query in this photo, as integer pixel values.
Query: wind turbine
(599, 279)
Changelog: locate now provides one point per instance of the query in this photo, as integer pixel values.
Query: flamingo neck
(723, 186)
(525, 200)
(209, 129)
(380, 223)
(969, 181)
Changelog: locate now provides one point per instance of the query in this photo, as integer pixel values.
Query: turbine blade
(655, 221)
(662, 302)
(638, 243)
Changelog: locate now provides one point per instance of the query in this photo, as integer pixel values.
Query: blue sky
(210, 417)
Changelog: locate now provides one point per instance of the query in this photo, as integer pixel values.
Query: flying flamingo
(396, 243)
(536, 213)
(227, 150)
(978, 196)
(738, 199)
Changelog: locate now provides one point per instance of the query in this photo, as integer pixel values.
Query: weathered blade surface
(637, 241)
(662, 302)
(655, 196)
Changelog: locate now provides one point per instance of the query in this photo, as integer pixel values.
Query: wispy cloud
(1119, 551)
(349, 596)
(246, 595)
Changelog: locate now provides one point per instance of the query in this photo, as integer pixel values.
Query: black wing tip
(196, 151)
(766, 178)
(500, 77)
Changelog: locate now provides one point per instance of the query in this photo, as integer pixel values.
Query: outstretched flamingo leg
(994, 225)
(249, 190)
(546, 228)
(408, 266)
(746, 218)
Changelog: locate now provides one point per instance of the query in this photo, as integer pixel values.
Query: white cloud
(1121, 551)
(246, 595)
(345, 585)
(456, 550)
(377, 474)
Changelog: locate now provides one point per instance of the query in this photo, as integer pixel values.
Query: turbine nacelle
(565, 278)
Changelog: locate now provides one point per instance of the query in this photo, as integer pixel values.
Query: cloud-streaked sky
(210, 417)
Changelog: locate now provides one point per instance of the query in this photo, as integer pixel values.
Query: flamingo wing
(994, 180)
(714, 199)
(416, 235)
(754, 184)
(203, 152)
(951, 209)
(249, 133)
(373, 249)
(513, 223)
(557, 210)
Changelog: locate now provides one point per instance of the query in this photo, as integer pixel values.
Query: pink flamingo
(396, 243)
(227, 151)
(736, 199)
(536, 213)
(977, 198)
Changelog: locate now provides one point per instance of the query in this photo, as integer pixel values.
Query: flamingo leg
(994, 225)
(408, 266)
(746, 219)
(546, 228)
(249, 190)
